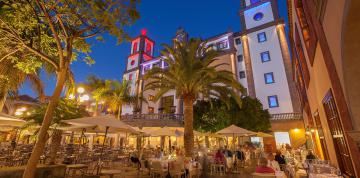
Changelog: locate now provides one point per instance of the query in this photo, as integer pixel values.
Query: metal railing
(286, 116)
(178, 117)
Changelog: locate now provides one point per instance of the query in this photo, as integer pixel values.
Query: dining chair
(156, 169)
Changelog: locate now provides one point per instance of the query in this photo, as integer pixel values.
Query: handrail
(286, 116)
(179, 117)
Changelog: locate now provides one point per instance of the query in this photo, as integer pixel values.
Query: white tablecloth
(313, 175)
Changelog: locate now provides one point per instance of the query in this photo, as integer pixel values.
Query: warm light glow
(28, 113)
(296, 130)
(18, 113)
(22, 109)
(80, 90)
(71, 96)
(84, 98)
(312, 130)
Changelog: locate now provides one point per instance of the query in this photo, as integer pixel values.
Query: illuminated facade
(325, 42)
(258, 55)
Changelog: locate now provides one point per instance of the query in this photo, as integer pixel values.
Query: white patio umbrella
(234, 130)
(8, 120)
(264, 135)
(164, 131)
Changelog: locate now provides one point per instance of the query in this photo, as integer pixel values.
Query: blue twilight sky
(161, 18)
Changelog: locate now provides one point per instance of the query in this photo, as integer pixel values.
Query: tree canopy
(215, 115)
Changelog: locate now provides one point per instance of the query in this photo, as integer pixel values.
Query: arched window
(132, 62)
(135, 47)
(148, 48)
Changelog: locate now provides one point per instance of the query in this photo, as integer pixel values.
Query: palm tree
(120, 95)
(12, 78)
(193, 74)
(66, 109)
(98, 88)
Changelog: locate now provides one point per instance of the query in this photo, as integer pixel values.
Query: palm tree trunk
(41, 140)
(188, 126)
(119, 112)
(3, 95)
(96, 112)
(55, 144)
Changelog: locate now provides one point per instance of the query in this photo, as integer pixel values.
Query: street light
(80, 90)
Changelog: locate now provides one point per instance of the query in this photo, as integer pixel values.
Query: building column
(288, 68)
(248, 66)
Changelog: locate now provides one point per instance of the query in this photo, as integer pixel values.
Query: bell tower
(142, 50)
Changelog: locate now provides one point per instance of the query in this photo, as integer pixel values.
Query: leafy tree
(66, 109)
(193, 74)
(218, 115)
(120, 95)
(55, 33)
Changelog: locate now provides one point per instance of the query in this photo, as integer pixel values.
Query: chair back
(156, 165)
(263, 175)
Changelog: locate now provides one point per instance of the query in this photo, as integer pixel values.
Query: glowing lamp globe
(143, 31)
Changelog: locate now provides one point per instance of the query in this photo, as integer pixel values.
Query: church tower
(142, 50)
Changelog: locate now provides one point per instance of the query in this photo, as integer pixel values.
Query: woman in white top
(272, 163)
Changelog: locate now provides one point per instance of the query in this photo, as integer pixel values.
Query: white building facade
(257, 55)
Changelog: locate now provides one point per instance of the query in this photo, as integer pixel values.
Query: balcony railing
(286, 116)
(178, 117)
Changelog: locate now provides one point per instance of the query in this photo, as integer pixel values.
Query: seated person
(280, 158)
(272, 163)
(263, 168)
(219, 157)
(310, 155)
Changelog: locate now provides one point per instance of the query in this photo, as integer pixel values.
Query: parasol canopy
(164, 131)
(11, 121)
(234, 130)
(262, 134)
(102, 123)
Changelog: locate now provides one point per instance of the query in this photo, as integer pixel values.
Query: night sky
(161, 18)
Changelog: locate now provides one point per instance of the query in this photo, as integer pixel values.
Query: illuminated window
(269, 78)
(135, 47)
(150, 110)
(157, 64)
(273, 101)
(258, 16)
(222, 44)
(242, 74)
(240, 58)
(265, 56)
(132, 62)
(151, 98)
(148, 48)
(282, 138)
(237, 41)
(261, 37)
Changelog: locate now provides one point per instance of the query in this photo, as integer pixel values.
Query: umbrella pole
(233, 142)
(102, 150)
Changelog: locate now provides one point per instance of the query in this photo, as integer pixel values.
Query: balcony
(154, 120)
(286, 117)
(176, 117)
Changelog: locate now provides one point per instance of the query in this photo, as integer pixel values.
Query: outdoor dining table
(324, 175)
